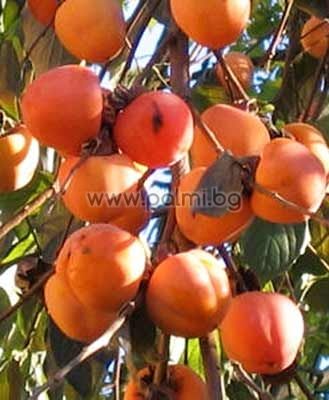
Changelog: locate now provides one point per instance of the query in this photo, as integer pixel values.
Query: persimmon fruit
(208, 230)
(242, 67)
(19, 158)
(103, 265)
(91, 30)
(241, 132)
(312, 138)
(188, 294)
(315, 37)
(43, 10)
(155, 129)
(262, 331)
(212, 23)
(182, 380)
(94, 184)
(70, 315)
(63, 107)
(289, 169)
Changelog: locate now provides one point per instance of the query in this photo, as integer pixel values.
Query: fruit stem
(160, 373)
(211, 366)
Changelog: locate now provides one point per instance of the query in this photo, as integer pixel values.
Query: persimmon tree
(164, 214)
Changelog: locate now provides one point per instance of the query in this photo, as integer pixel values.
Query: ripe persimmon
(43, 10)
(289, 169)
(94, 184)
(212, 23)
(312, 138)
(203, 229)
(242, 67)
(91, 30)
(70, 315)
(103, 265)
(169, 298)
(19, 158)
(315, 37)
(63, 107)
(184, 383)
(155, 129)
(241, 132)
(262, 331)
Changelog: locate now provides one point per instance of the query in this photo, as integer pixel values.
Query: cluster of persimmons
(100, 267)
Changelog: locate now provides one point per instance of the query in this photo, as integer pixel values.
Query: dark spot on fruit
(68, 254)
(157, 118)
(83, 236)
(86, 250)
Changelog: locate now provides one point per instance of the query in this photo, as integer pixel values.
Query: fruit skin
(291, 170)
(19, 158)
(103, 266)
(70, 315)
(186, 384)
(242, 67)
(312, 138)
(155, 129)
(212, 23)
(62, 108)
(91, 30)
(263, 331)
(202, 229)
(43, 10)
(315, 37)
(188, 294)
(112, 175)
(239, 131)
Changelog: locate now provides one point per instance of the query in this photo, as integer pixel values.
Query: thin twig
(244, 378)
(87, 352)
(117, 376)
(34, 289)
(210, 135)
(211, 366)
(317, 81)
(26, 211)
(270, 54)
(291, 205)
(232, 77)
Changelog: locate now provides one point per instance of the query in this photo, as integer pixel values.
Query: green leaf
(63, 350)
(238, 391)
(317, 296)
(48, 52)
(6, 325)
(270, 249)
(11, 202)
(142, 333)
(194, 357)
(320, 233)
(9, 77)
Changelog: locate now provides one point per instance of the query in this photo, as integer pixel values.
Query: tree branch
(211, 366)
